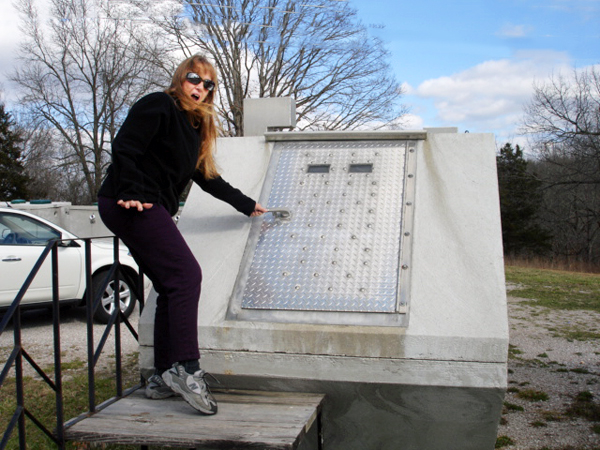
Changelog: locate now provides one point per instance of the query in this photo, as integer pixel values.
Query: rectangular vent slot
(361, 168)
(318, 168)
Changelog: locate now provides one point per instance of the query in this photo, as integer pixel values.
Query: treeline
(544, 217)
(550, 201)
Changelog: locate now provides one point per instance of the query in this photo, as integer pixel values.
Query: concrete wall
(437, 383)
(262, 114)
(81, 220)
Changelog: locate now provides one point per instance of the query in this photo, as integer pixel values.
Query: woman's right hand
(127, 204)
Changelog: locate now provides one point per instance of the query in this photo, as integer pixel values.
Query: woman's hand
(259, 210)
(127, 204)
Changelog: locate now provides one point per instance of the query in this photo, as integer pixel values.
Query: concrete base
(375, 416)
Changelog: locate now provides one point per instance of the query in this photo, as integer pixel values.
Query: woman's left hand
(259, 210)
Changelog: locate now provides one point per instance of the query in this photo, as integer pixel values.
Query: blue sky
(472, 64)
(466, 63)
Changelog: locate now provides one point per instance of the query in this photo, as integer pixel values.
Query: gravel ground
(542, 359)
(37, 338)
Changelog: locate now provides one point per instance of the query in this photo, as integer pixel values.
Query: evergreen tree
(13, 180)
(520, 202)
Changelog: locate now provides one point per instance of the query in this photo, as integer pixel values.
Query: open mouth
(196, 97)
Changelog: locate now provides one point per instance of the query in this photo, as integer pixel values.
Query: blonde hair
(202, 115)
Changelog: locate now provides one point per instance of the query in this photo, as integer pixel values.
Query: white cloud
(412, 122)
(514, 31)
(9, 39)
(490, 96)
(580, 6)
(407, 89)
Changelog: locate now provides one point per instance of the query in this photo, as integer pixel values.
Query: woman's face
(197, 92)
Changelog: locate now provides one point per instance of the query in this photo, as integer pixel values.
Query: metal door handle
(281, 213)
(11, 259)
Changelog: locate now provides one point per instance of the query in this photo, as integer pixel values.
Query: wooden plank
(246, 419)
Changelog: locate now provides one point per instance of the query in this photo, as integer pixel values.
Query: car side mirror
(69, 243)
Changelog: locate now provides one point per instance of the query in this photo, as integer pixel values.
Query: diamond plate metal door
(340, 248)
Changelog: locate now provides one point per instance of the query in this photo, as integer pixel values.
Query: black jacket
(154, 157)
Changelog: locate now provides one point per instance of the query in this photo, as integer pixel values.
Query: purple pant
(160, 250)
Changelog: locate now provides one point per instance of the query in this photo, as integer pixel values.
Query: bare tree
(320, 55)
(80, 72)
(42, 147)
(565, 107)
(563, 123)
(570, 213)
(563, 120)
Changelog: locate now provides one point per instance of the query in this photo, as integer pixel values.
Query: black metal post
(320, 430)
(60, 431)
(89, 314)
(19, 376)
(140, 290)
(117, 311)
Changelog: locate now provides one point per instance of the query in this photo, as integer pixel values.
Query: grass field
(555, 289)
(40, 400)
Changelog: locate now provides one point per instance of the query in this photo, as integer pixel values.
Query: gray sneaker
(157, 389)
(193, 388)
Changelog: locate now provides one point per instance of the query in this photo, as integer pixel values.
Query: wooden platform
(246, 419)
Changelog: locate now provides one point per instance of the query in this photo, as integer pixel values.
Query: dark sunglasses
(195, 79)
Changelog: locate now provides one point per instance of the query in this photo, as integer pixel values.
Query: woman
(167, 140)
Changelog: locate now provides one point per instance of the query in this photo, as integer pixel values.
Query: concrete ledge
(340, 340)
(415, 372)
(359, 370)
(346, 135)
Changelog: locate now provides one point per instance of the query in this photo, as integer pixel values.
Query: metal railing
(19, 353)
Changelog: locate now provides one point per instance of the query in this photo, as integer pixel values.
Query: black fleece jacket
(154, 157)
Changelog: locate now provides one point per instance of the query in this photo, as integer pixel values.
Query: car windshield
(22, 230)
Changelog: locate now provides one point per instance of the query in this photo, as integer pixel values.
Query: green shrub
(503, 441)
(532, 395)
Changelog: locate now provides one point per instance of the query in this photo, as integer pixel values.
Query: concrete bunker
(409, 339)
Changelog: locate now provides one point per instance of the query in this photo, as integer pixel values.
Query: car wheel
(106, 307)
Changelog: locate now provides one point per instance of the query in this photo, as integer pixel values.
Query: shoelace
(203, 375)
(157, 379)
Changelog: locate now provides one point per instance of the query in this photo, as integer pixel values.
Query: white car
(23, 237)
